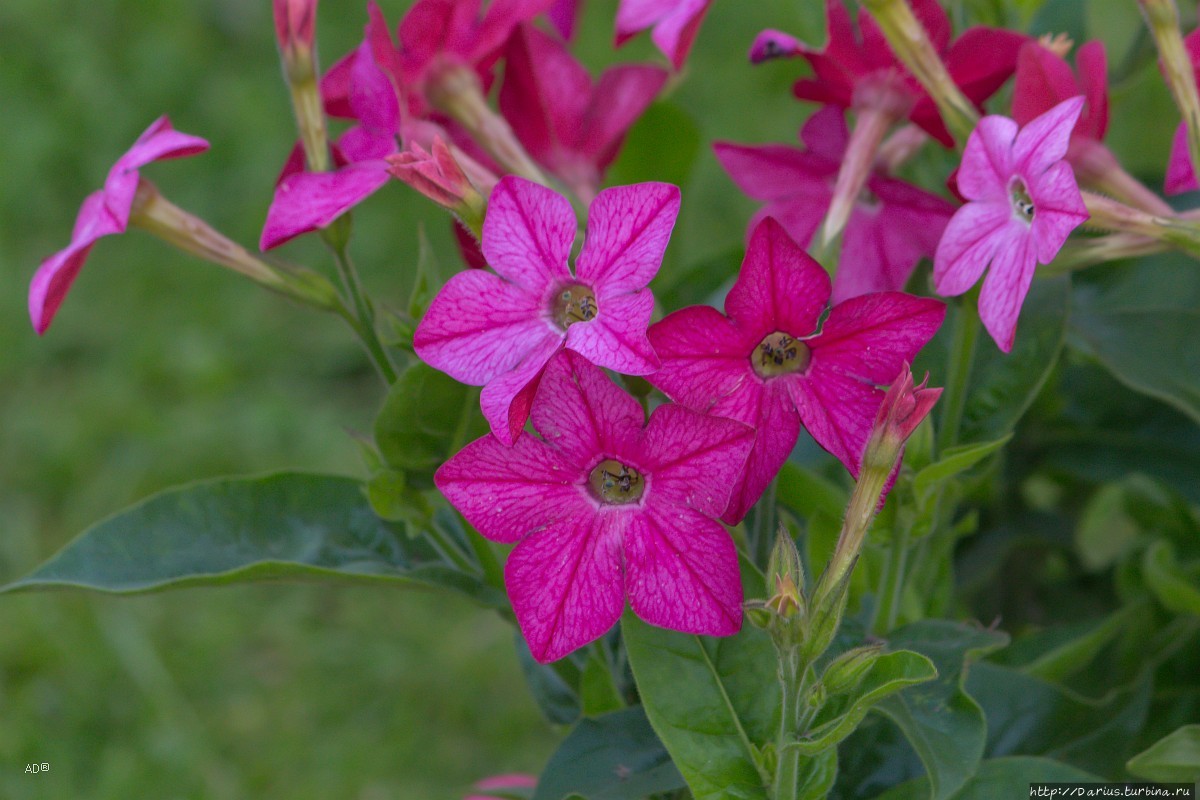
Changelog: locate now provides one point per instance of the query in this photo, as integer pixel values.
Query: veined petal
(1043, 81)
(704, 357)
(826, 135)
(776, 422)
(507, 398)
(776, 171)
(676, 32)
(527, 233)
(872, 336)
(694, 458)
(1059, 209)
(479, 326)
(1092, 65)
(1045, 139)
(982, 59)
(628, 230)
(681, 572)
(565, 583)
(616, 339)
(432, 27)
(975, 233)
(1004, 289)
(987, 162)
(621, 95)
(780, 287)
(372, 97)
(497, 25)
(508, 491)
(837, 410)
(307, 201)
(583, 413)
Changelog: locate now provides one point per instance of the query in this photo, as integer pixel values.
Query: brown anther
(1022, 203)
(780, 354)
(615, 483)
(574, 304)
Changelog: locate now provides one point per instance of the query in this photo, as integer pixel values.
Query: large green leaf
(999, 778)
(943, 723)
(709, 700)
(1170, 584)
(614, 756)
(1140, 321)
(283, 526)
(1172, 759)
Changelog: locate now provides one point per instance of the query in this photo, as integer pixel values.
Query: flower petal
(776, 171)
(1004, 290)
(780, 287)
(987, 160)
(676, 32)
(1092, 65)
(837, 411)
(1059, 210)
(616, 339)
(975, 233)
(508, 491)
(1043, 81)
(770, 409)
(1181, 176)
(704, 357)
(1045, 139)
(693, 458)
(871, 337)
(627, 234)
(159, 142)
(527, 233)
(565, 583)
(507, 399)
(681, 572)
(55, 275)
(621, 95)
(479, 326)
(307, 201)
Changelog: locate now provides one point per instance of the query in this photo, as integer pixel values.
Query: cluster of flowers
(603, 507)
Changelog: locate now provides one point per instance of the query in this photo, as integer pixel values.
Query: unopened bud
(904, 407)
(295, 21)
(847, 670)
(437, 175)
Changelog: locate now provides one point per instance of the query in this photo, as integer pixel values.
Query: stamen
(615, 483)
(1022, 203)
(575, 304)
(780, 354)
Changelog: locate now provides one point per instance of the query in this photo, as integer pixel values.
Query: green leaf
(841, 714)
(999, 778)
(1105, 530)
(555, 687)
(1170, 584)
(807, 493)
(611, 757)
(661, 146)
(1172, 759)
(1004, 385)
(1139, 320)
(954, 461)
(596, 689)
(426, 417)
(286, 526)
(709, 700)
(943, 723)
(699, 283)
(1077, 651)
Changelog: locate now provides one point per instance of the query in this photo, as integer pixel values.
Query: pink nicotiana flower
(862, 71)
(104, 212)
(1023, 203)
(570, 125)
(499, 330)
(1181, 173)
(564, 17)
(891, 227)
(603, 508)
(675, 24)
(771, 363)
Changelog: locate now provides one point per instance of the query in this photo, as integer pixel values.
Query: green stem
(486, 556)
(791, 680)
(889, 598)
(447, 548)
(362, 320)
(962, 356)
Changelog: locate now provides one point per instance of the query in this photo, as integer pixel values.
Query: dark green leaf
(1074, 652)
(596, 689)
(1173, 759)
(611, 757)
(954, 461)
(1170, 584)
(554, 686)
(700, 283)
(427, 416)
(805, 492)
(709, 700)
(999, 778)
(287, 526)
(661, 146)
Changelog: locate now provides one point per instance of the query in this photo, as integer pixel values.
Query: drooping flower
(1023, 203)
(769, 362)
(570, 125)
(104, 212)
(862, 71)
(891, 227)
(603, 508)
(675, 23)
(499, 330)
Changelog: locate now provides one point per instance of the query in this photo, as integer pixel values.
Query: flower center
(574, 304)
(1022, 203)
(780, 354)
(616, 484)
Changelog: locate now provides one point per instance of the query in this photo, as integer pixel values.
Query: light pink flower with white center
(769, 365)
(604, 508)
(1023, 203)
(675, 23)
(499, 330)
(104, 212)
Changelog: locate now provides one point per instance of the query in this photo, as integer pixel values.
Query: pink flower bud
(438, 175)
(294, 23)
(903, 408)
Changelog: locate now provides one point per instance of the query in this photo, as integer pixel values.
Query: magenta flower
(675, 24)
(1181, 174)
(771, 364)
(604, 509)
(862, 71)
(104, 212)
(1023, 203)
(891, 227)
(570, 125)
(499, 330)
(501, 784)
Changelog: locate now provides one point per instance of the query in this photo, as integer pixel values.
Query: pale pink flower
(104, 212)
(675, 24)
(501, 784)
(772, 364)
(498, 330)
(1023, 203)
(604, 509)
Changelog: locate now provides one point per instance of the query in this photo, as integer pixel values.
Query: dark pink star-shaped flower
(104, 212)
(570, 125)
(675, 24)
(891, 227)
(500, 330)
(603, 508)
(856, 71)
(1023, 203)
(769, 362)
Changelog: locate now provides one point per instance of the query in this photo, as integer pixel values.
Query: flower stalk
(870, 127)
(294, 29)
